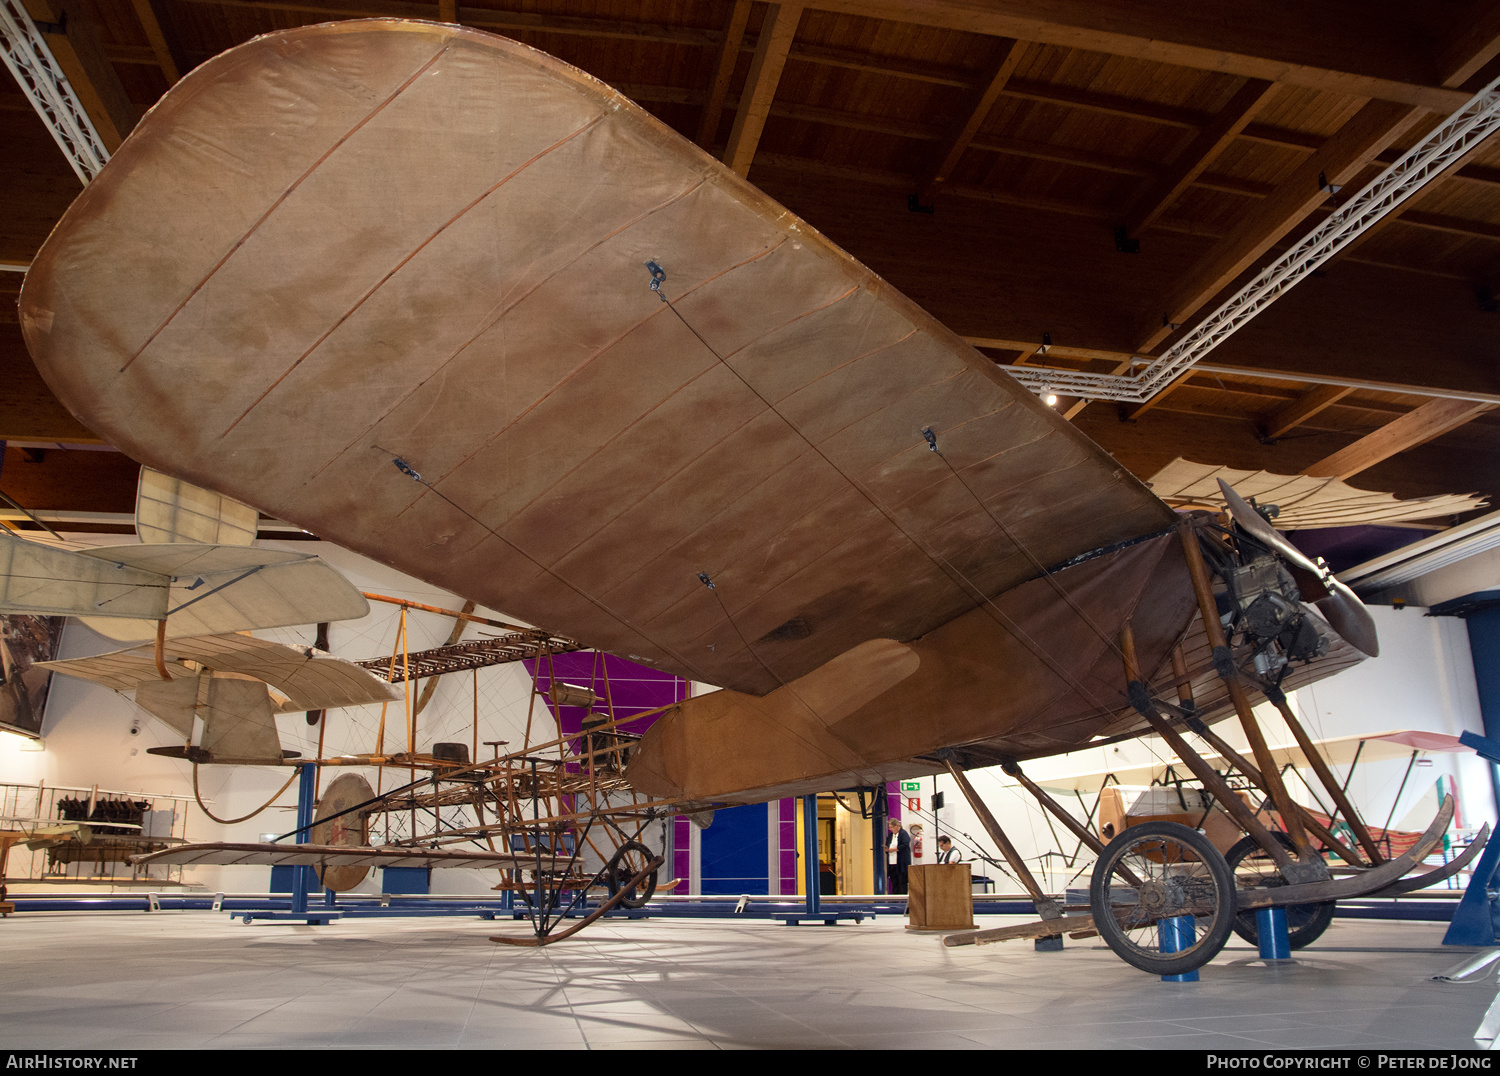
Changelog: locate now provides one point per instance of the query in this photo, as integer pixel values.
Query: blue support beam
(307, 776)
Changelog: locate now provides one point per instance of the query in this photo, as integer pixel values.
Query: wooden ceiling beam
(1013, 147)
(1212, 140)
(1132, 412)
(1007, 56)
(775, 42)
(1414, 428)
(1042, 151)
(71, 30)
(165, 45)
(877, 64)
(1354, 145)
(488, 19)
(1473, 41)
(1304, 408)
(1298, 44)
(1107, 104)
(1145, 447)
(729, 55)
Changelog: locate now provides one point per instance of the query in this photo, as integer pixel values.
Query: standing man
(898, 854)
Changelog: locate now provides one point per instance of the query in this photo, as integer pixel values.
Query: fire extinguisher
(916, 842)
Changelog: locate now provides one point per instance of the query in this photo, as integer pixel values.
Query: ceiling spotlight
(1050, 397)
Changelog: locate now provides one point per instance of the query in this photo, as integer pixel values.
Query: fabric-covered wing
(311, 679)
(340, 245)
(340, 855)
(300, 590)
(1305, 502)
(43, 579)
(168, 509)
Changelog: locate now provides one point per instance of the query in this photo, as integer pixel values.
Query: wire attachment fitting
(658, 277)
(406, 468)
(706, 581)
(930, 437)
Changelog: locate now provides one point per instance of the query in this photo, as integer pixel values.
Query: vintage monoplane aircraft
(453, 304)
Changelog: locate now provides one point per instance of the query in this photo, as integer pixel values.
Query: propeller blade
(1348, 616)
(1309, 576)
(1345, 613)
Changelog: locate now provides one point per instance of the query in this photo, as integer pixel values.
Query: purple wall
(682, 853)
(786, 841)
(633, 688)
(1344, 547)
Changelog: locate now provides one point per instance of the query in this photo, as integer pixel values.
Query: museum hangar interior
(1252, 244)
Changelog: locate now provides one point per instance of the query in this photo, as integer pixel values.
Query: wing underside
(341, 246)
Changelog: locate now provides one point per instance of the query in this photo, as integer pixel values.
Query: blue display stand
(1271, 932)
(405, 880)
(283, 880)
(1175, 935)
(1473, 921)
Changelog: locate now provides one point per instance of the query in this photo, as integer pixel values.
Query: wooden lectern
(940, 897)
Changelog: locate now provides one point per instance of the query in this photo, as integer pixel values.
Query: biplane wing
(344, 255)
(309, 678)
(343, 855)
(125, 591)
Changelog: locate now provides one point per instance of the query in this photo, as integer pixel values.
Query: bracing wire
(658, 277)
(407, 469)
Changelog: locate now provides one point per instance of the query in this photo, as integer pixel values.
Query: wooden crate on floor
(940, 897)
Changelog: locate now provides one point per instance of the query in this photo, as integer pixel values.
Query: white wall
(88, 740)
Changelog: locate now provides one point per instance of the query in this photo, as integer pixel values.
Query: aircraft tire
(1305, 923)
(629, 858)
(1142, 876)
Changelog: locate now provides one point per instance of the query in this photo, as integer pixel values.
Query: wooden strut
(1046, 907)
(161, 649)
(1188, 706)
(1013, 769)
(1215, 784)
(1320, 767)
(1224, 664)
(1250, 770)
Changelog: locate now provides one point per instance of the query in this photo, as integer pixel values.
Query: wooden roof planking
(1062, 122)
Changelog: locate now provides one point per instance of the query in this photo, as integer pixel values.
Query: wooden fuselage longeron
(446, 301)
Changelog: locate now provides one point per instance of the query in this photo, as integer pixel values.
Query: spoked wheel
(630, 859)
(1253, 869)
(1159, 871)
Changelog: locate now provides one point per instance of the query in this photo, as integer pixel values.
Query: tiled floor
(195, 979)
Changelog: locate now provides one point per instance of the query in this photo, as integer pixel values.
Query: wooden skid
(1447, 870)
(1041, 928)
(538, 940)
(1359, 885)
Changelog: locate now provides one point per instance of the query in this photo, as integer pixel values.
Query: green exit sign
(911, 786)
